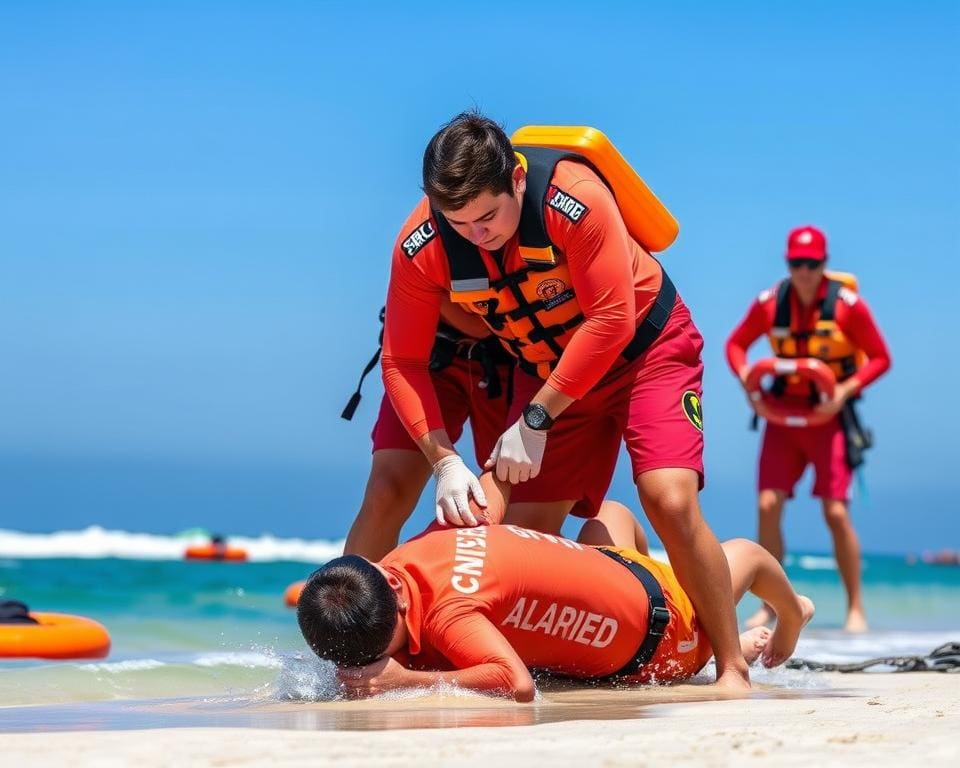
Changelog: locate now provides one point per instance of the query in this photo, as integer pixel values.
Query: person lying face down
(479, 607)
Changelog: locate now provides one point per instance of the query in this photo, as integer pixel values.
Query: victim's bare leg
(546, 517)
(614, 526)
(754, 569)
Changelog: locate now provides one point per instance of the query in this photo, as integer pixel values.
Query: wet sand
(886, 719)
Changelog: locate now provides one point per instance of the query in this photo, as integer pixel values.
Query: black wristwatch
(536, 417)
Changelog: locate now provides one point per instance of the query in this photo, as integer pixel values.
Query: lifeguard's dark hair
(469, 155)
(347, 612)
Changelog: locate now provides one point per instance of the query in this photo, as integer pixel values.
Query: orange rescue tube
(56, 636)
(292, 595)
(211, 552)
(647, 219)
(808, 368)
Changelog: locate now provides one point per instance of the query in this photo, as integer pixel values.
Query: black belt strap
(658, 618)
(653, 323)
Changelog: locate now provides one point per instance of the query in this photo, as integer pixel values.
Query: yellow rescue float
(647, 219)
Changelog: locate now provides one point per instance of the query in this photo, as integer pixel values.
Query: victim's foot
(753, 641)
(856, 622)
(787, 631)
(761, 618)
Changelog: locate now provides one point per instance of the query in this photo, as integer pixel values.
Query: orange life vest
(825, 341)
(534, 310)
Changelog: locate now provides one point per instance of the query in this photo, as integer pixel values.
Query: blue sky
(197, 203)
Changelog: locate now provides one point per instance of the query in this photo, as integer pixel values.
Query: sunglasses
(805, 263)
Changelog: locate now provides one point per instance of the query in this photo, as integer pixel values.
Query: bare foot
(787, 631)
(761, 618)
(753, 641)
(856, 622)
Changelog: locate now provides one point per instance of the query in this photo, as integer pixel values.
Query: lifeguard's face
(489, 220)
(806, 274)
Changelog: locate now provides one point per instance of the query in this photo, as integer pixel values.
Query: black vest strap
(467, 270)
(828, 307)
(782, 317)
(647, 332)
(656, 319)
(657, 619)
(354, 400)
(541, 162)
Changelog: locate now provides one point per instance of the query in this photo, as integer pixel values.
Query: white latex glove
(518, 453)
(455, 485)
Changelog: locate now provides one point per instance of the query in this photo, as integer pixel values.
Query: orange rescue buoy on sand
(783, 413)
(292, 595)
(54, 636)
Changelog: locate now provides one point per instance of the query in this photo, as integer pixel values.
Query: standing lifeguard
(532, 240)
(813, 314)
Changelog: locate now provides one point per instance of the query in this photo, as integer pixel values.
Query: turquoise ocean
(219, 633)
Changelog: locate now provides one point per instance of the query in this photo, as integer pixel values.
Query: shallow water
(556, 701)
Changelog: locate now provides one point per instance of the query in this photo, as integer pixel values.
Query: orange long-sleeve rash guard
(853, 317)
(614, 279)
(472, 594)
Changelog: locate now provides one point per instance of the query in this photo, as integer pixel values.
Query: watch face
(535, 415)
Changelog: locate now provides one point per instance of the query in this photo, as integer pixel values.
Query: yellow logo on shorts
(692, 408)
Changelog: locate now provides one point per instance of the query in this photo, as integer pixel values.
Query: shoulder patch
(414, 242)
(764, 295)
(566, 204)
(847, 296)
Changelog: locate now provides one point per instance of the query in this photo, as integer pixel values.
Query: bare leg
(754, 569)
(846, 549)
(547, 517)
(669, 497)
(614, 526)
(770, 509)
(397, 478)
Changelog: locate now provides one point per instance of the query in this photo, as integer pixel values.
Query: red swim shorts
(461, 397)
(652, 403)
(786, 452)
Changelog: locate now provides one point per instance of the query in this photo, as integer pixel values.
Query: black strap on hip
(857, 438)
(354, 400)
(658, 617)
(656, 319)
(491, 355)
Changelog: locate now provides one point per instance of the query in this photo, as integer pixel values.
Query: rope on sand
(946, 658)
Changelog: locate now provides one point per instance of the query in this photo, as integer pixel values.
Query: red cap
(806, 243)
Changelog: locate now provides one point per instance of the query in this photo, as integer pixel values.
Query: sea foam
(97, 542)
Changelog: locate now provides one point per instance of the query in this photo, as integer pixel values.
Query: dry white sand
(867, 719)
